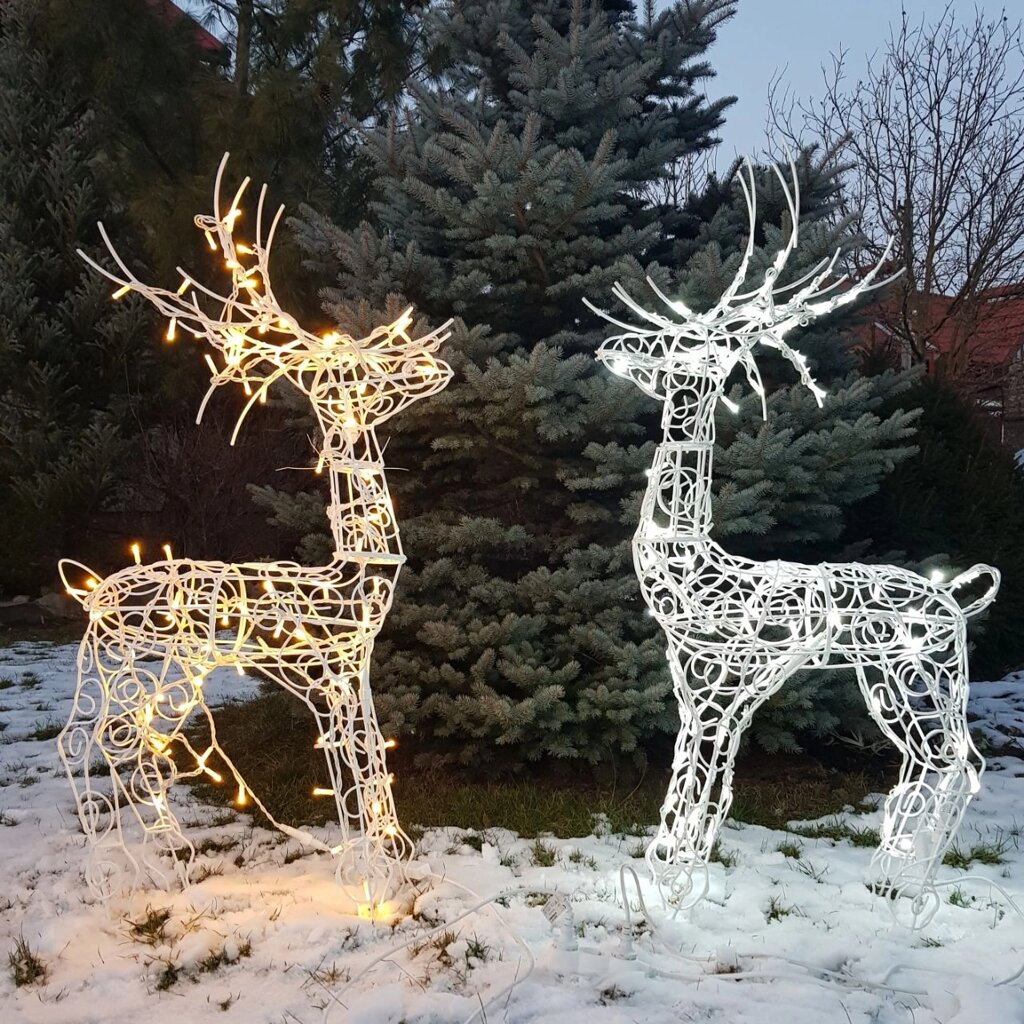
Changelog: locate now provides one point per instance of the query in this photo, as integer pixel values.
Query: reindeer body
(737, 629)
(155, 631)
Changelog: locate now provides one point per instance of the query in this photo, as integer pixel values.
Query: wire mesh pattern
(738, 628)
(157, 630)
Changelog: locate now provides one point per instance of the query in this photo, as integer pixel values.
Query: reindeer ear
(646, 372)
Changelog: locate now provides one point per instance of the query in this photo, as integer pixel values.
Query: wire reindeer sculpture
(738, 628)
(155, 631)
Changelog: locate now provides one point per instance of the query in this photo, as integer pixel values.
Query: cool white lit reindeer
(737, 629)
(155, 631)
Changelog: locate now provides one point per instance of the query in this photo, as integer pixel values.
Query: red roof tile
(171, 14)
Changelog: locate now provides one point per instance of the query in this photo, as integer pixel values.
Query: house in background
(980, 350)
(171, 14)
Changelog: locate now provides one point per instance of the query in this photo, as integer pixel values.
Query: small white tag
(556, 908)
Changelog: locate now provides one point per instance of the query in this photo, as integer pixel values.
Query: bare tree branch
(934, 131)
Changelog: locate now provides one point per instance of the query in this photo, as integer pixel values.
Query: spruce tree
(512, 190)
(72, 363)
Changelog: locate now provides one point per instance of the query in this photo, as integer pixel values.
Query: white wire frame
(157, 630)
(737, 629)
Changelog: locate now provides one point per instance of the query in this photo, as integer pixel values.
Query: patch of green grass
(30, 681)
(776, 910)
(866, 837)
(719, 855)
(27, 967)
(152, 927)
(477, 950)
(837, 830)
(48, 730)
(958, 898)
(980, 853)
(270, 739)
(788, 848)
(6, 683)
(816, 874)
(168, 977)
(637, 850)
(474, 841)
(578, 857)
(544, 854)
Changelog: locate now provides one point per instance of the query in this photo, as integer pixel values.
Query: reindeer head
(352, 383)
(688, 351)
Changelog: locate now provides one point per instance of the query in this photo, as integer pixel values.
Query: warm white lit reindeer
(155, 631)
(737, 628)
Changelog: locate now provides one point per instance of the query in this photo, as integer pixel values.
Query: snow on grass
(263, 935)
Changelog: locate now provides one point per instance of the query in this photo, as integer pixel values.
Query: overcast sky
(796, 37)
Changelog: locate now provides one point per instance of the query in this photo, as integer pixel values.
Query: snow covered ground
(263, 937)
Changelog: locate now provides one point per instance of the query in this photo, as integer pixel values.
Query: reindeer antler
(259, 340)
(755, 316)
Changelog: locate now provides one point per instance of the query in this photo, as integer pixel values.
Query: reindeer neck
(361, 513)
(677, 503)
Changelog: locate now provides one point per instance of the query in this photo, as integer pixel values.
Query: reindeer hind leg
(919, 701)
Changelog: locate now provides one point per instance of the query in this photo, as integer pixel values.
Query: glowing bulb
(242, 798)
(137, 553)
(322, 791)
(167, 554)
(122, 292)
(729, 404)
(92, 583)
(390, 744)
(172, 329)
(937, 576)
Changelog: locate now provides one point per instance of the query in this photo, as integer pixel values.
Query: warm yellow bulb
(321, 791)
(172, 329)
(92, 583)
(136, 550)
(167, 553)
(122, 292)
(243, 798)
(390, 744)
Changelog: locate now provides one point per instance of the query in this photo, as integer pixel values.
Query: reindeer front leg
(372, 846)
(716, 703)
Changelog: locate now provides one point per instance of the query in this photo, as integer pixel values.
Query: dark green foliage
(508, 195)
(71, 362)
(961, 495)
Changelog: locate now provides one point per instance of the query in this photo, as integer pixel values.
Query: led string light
(156, 630)
(738, 628)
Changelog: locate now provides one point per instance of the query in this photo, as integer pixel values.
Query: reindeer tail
(976, 572)
(79, 580)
